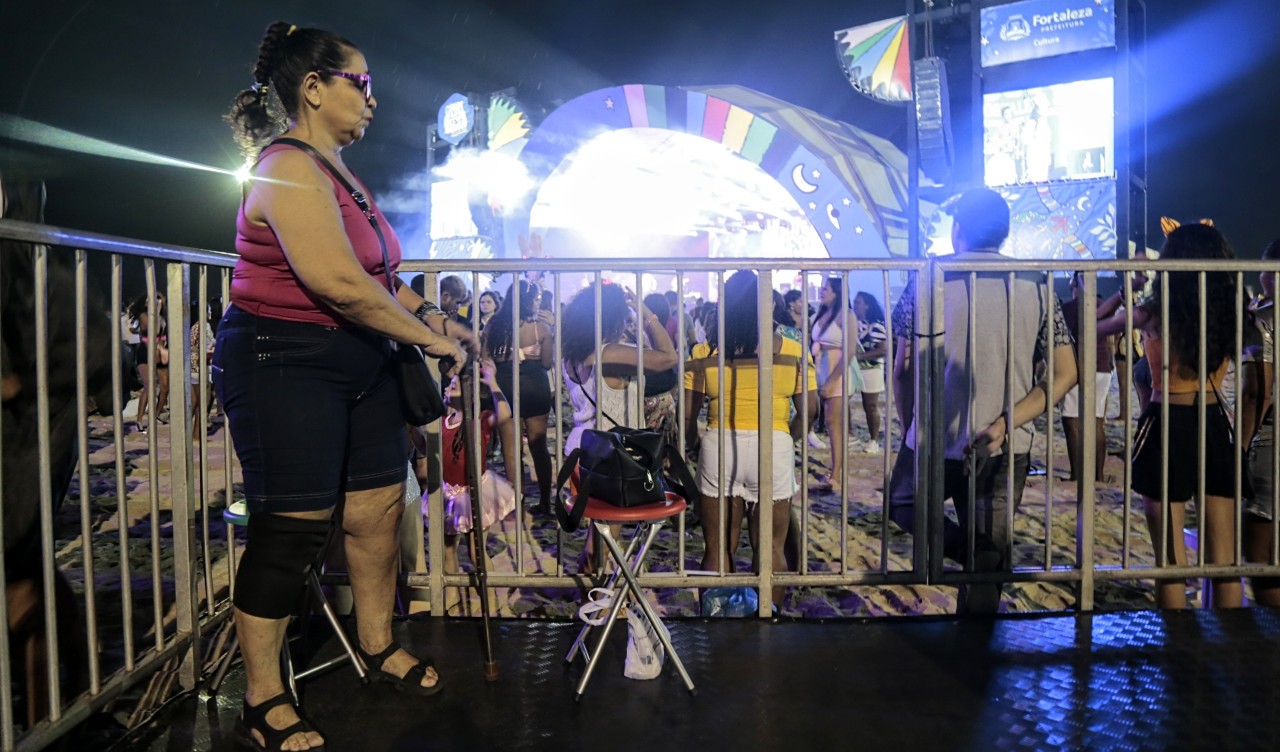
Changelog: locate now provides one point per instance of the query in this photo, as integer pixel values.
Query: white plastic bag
(645, 653)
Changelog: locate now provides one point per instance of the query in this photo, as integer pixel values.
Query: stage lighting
(243, 174)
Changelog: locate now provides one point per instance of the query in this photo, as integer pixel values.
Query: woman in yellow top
(1181, 466)
(740, 449)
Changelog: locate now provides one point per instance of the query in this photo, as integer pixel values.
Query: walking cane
(471, 440)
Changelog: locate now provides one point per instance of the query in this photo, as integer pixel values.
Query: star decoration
(826, 235)
(858, 229)
(608, 103)
(985, 41)
(845, 201)
(812, 205)
(816, 175)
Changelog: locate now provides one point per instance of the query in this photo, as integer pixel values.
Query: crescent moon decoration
(833, 214)
(802, 185)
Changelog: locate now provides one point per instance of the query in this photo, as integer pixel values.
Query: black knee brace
(280, 552)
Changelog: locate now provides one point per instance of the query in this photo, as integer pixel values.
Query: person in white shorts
(872, 346)
(737, 442)
(1102, 383)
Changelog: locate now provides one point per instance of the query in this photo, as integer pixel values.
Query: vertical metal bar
(557, 389)
(122, 494)
(971, 478)
(1086, 479)
(228, 457)
(1164, 423)
(517, 426)
(6, 668)
(86, 498)
(1126, 541)
(721, 431)
(46, 481)
(640, 346)
(200, 428)
(1051, 302)
(847, 360)
(185, 562)
(153, 461)
(764, 372)
(886, 420)
(1238, 420)
(929, 365)
(1202, 503)
(681, 421)
(805, 367)
(1010, 449)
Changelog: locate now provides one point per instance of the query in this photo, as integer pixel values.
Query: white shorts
(1102, 390)
(742, 465)
(873, 380)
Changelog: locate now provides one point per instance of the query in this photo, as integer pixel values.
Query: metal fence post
(182, 496)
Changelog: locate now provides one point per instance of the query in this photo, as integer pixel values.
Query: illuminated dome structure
(708, 171)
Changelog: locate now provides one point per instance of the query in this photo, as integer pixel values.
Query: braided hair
(285, 57)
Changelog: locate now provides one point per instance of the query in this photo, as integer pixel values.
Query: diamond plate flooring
(1126, 681)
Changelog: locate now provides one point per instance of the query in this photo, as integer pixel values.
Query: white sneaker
(816, 441)
(871, 447)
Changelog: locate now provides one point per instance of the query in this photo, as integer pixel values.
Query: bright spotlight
(242, 175)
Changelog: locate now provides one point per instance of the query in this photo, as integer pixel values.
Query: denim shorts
(314, 410)
(1258, 464)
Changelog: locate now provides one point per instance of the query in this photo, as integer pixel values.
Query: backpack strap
(570, 518)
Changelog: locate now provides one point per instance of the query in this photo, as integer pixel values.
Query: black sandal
(410, 682)
(254, 718)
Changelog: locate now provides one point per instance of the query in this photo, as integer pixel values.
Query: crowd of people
(301, 363)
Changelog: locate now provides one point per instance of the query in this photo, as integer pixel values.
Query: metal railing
(889, 556)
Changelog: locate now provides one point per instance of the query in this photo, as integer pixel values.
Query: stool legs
(628, 562)
(634, 586)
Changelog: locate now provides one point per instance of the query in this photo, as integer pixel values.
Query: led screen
(1034, 29)
(1059, 132)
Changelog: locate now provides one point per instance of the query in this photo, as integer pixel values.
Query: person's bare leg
(536, 429)
(833, 407)
(712, 533)
(1220, 548)
(781, 521)
(144, 396)
(371, 520)
(1257, 550)
(871, 407)
(1100, 451)
(162, 387)
(507, 439)
(260, 642)
(1071, 430)
(1169, 593)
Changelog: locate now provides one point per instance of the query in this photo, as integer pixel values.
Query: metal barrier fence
(177, 625)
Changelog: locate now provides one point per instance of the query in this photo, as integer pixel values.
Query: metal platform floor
(1140, 680)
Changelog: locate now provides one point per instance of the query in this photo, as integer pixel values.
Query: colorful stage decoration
(456, 119)
(1035, 29)
(850, 184)
(1071, 220)
(507, 122)
(876, 58)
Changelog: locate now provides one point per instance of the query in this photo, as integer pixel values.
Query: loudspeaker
(933, 118)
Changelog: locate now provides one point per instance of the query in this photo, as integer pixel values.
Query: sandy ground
(836, 541)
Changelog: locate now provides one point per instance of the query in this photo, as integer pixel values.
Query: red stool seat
(600, 510)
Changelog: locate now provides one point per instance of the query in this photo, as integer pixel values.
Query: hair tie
(292, 29)
(260, 88)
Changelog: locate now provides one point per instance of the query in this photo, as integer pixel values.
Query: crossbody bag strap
(573, 376)
(357, 195)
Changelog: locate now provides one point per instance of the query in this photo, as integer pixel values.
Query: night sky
(158, 75)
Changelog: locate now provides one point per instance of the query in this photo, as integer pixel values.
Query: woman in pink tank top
(301, 366)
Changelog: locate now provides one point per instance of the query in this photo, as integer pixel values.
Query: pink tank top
(264, 284)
